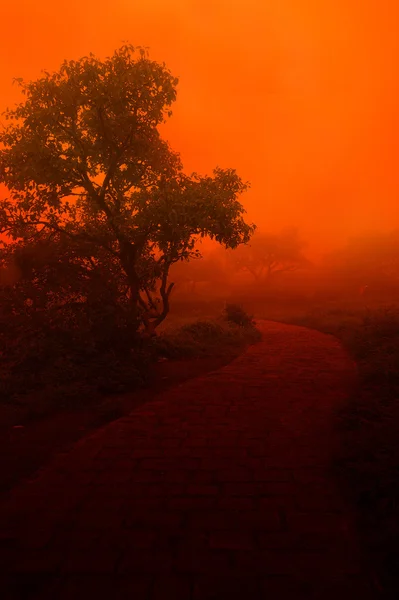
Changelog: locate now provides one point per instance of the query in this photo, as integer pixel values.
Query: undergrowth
(203, 337)
(369, 425)
(56, 371)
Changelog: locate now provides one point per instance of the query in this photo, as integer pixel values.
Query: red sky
(300, 96)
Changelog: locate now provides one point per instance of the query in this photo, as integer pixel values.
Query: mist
(199, 339)
(299, 97)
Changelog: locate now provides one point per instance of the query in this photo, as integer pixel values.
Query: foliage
(204, 337)
(81, 344)
(236, 314)
(270, 254)
(371, 336)
(88, 172)
(71, 359)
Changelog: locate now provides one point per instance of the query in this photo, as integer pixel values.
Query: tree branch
(77, 236)
(165, 294)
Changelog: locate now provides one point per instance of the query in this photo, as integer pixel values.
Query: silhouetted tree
(208, 270)
(268, 254)
(88, 172)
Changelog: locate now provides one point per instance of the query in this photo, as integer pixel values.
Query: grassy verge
(38, 387)
(369, 462)
(203, 337)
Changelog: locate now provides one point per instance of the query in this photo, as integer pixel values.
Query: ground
(221, 487)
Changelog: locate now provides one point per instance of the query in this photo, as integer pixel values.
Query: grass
(37, 386)
(204, 337)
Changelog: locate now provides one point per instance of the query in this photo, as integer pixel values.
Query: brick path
(220, 489)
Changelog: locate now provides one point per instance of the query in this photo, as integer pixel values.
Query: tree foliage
(98, 201)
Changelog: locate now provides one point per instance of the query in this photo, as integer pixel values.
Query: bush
(382, 323)
(62, 347)
(202, 338)
(235, 313)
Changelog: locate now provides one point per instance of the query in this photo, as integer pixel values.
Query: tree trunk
(128, 260)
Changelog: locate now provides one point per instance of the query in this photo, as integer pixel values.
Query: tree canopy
(91, 179)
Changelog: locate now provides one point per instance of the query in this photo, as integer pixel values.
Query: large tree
(86, 167)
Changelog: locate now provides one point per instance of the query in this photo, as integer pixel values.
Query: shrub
(202, 338)
(235, 313)
(382, 323)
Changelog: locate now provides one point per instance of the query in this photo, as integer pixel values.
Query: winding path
(219, 489)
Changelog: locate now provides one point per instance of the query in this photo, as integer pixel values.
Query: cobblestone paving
(219, 489)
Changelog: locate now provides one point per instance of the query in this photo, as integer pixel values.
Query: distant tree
(91, 180)
(269, 254)
(208, 270)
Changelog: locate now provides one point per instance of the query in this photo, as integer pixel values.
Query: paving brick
(134, 503)
(31, 585)
(96, 561)
(202, 490)
(98, 519)
(240, 488)
(73, 538)
(192, 502)
(197, 561)
(232, 587)
(273, 503)
(131, 587)
(278, 540)
(259, 520)
(128, 539)
(232, 540)
(232, 475)
(215, 464)
(32, 561)
(154, 519)
(172, 586)
(236, 502)
(148, 562)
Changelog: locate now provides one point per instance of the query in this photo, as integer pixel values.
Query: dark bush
(234, 313)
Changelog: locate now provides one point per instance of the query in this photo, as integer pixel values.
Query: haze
(300, 96)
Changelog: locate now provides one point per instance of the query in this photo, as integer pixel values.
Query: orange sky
(301, 96)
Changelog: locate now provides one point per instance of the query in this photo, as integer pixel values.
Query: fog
(174, 425)
(299, 97)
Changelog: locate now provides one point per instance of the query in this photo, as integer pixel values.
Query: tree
(270, 254)
(87, 169)
(207, 270)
